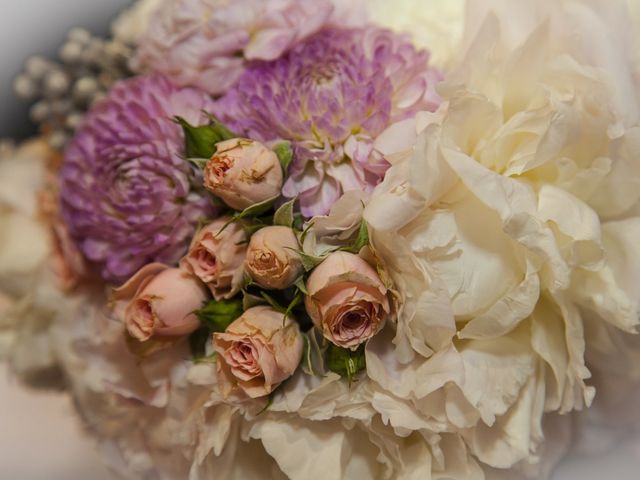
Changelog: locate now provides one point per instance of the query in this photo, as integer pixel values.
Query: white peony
(510, 221)
(436, 25)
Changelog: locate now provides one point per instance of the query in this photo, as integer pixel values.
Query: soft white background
(40, 438)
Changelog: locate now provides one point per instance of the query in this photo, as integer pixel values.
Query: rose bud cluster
(159, 301)
(243, 173)
(257, 347)
(258, 352)
(216, 257)
(347, 300)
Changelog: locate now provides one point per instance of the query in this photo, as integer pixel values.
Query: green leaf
(313, 353)
(309, 262)
(252, 227)
(221, 129)
(251, 212)
(198, 342)
(200, 163)
(298, 221)
(266, 407)
(200, 142)
(297, 300)
(257, 209)
(273, 302)
(361, 241)
(299, 283)
(307, 229)
(284, 214)
(285, 155)
(249, 300)
(218, 315)
(346, 363)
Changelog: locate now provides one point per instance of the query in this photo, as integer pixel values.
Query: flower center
(323, 74)
(140, 318)
(264, 260)
(217, 167)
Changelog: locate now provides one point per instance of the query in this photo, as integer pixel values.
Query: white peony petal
(495, 371)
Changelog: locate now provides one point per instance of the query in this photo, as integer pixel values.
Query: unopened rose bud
(272, 258)
(216, 257)
(347, 300)
(257, 352)
(243, 173)
(159, 301)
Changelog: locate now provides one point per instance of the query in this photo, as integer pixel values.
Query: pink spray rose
(272, 261)
(347, 300)
(243, 173)
(257, 352)
(216, 257)
(159, 301)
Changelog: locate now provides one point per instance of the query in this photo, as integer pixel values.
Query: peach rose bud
(216, 257)
(160, 301)
(272, 261)
(347, 300)
(257, 352)
(243, 173)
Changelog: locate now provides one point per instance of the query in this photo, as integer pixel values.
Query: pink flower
(257, 352)
(272, 261)
(207, 43)
(243, 173)
(332, 96)
(67, 261)
(216, 257)
(159, 301)
(347, 300)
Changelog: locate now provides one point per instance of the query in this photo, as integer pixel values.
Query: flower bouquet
(330, 239)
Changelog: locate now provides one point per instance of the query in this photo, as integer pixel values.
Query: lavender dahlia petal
(332, 96)
(128, 196)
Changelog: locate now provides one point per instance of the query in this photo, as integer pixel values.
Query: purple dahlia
(332, 96)
(128, 196)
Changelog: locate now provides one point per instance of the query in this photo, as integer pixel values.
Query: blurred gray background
(31, 27)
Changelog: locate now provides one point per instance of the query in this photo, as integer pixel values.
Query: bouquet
(326, 239)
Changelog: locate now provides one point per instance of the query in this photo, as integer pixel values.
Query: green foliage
(253, 212)
(285, 155)
(301, 286)
(361, 241)
(315, 345)
(200, 142)
(218, 315)
(346, 363)
(309, 262)
(198, 343)
(284, 216)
